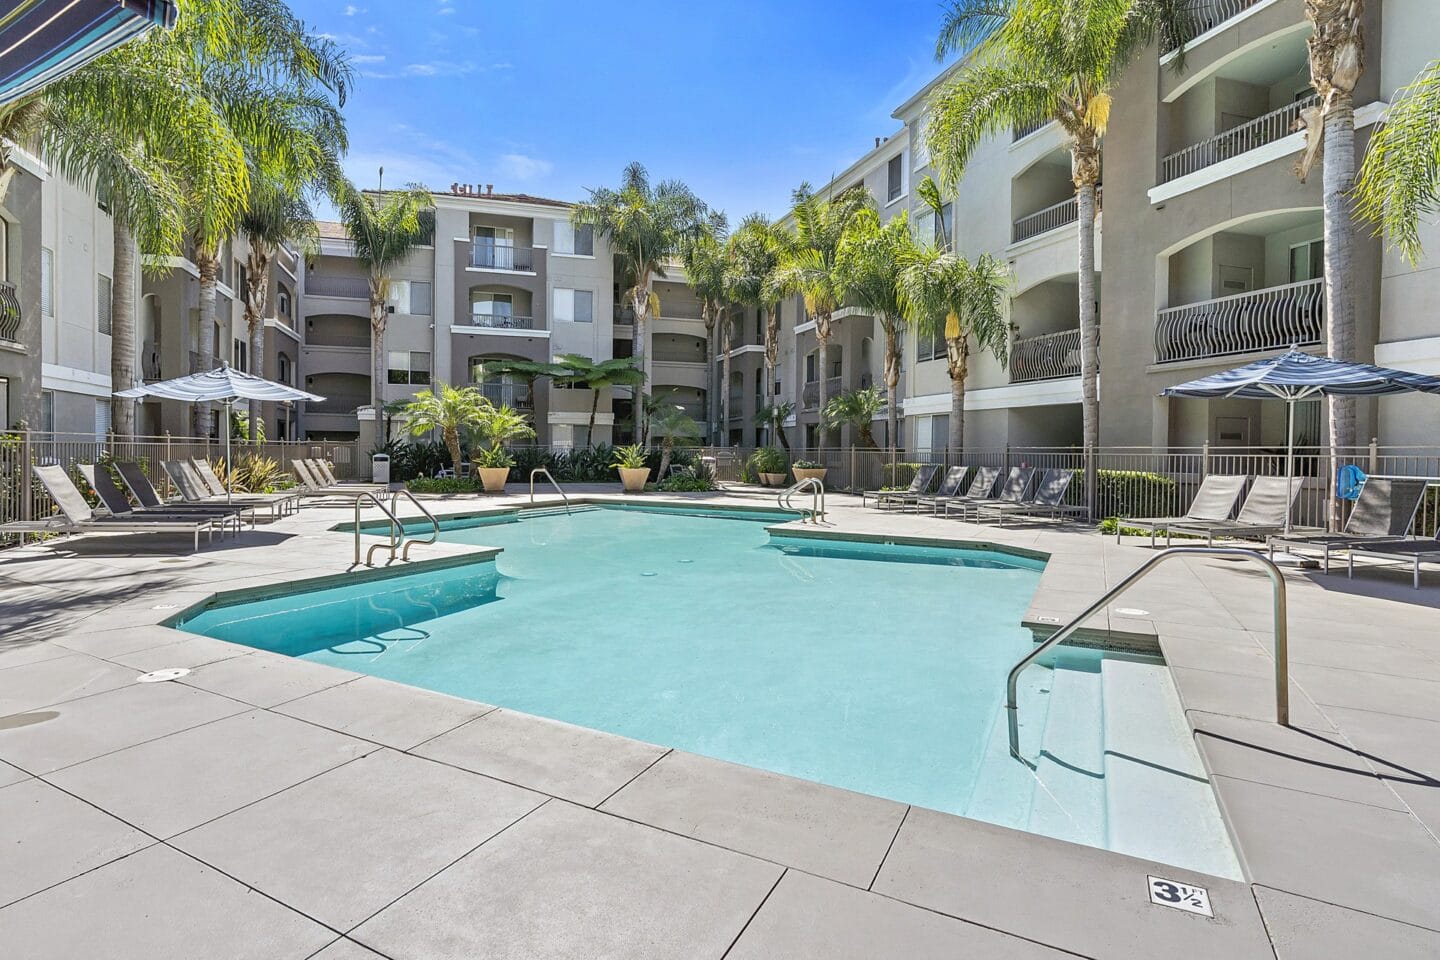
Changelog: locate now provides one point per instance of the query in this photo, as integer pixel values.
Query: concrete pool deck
(267, 807)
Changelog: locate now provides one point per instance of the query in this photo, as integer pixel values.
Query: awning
(43, 40)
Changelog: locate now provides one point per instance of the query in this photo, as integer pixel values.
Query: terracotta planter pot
(804, 473)
(773, 479)
(633, 478)
(493, 478)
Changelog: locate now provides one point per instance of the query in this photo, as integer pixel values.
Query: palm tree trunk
(594, 408)
(725, 375)
(667, 447)
(377, 344)
(122, 326)
(710, 368)
(1339, 179)
(822, 344)
(1089, 329)
(772, 350)
(959, 372)
(208, 263)
(642, 328)
(452, 443)
(257, 296)
(892, 381)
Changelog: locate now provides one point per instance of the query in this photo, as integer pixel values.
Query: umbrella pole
(1289, 452)
(229, 464)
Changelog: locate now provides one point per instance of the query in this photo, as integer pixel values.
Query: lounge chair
(321, 471)
(77, 517)
(982, 485)
(1048, 500)
(1011, 491)
(149, 498)
(113, 499)
(1214, 501)
(1384, 510)
(1264, 512)
(918, 485)
(949, 487)
(1411, 551)
(195, 490)
(283, 502)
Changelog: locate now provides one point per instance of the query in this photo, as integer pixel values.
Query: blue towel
(1348, 482)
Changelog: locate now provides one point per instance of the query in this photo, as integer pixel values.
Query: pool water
(877, 668)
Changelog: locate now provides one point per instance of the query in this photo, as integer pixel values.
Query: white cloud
(517, 166)
(351, 10)
(365, 58)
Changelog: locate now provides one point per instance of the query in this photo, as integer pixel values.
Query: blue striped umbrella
(1297, 376)
(42, 40)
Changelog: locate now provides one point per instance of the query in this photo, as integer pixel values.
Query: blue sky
(741, 100)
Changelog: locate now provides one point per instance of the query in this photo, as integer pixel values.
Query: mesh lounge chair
(321, 471)
(77, 517)
(194, 489)
(1266, 506)
(1214, 501)
(918, 485)
(949, 487)
(1412, 551)
(1383, 511)
(1011, 491)
(1048, 500)
(313, 485)
(982, 485)
(282, 502)
(149, 498)
(116, 503)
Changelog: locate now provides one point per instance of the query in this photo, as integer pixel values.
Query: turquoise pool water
(871, 667)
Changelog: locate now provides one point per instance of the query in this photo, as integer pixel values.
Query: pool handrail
(1282, 644)
(546, 473)
(816, 486)
(410, 541)
(397, 540)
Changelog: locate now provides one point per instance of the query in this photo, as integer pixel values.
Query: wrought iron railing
(1046, 357)
(321, 335)
(810, 395)
(338, 403)
(489, 255)
(1207, 15)
(502, 321)
(9, 312)
(346, 288)
(1248, 136)
(1051, 218)
(1270, 319)
(515, 396)
(1024, 130)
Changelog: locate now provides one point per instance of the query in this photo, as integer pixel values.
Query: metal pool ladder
(816, 487)
(397, 540)
(1282, 645)
(542, 471)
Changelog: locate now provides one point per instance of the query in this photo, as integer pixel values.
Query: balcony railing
(1047, 357)
(150, 360)
(1269, 319)
(9, 312)
(1237, 140)
(515, 396)
(347, 288)
(1051, 218)
(810, 395)
(494, 256)
(1209, 14)
(500, 321)
(1025, 129)
(338, 403)
(321, 336)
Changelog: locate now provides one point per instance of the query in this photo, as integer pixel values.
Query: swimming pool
(877, 668)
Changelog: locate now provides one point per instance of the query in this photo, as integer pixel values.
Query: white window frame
(563, 304)
(565, 234)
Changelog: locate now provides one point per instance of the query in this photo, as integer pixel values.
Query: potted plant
(493, 464)
(499, 425)
(805, 469)
(630, 461)
(769, 463)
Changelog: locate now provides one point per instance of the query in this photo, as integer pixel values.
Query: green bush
(767, 460)
(685, 483)
(1129, 493)
(898, 475)
(443, 485)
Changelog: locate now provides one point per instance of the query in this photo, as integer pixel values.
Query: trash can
(380, 468)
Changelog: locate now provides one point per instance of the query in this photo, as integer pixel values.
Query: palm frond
(1399, 184)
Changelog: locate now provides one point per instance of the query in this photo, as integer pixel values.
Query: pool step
(1068, 798)
(1158, 803)
(1003, 787)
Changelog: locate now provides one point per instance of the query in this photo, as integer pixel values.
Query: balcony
(488, 255)
(150, 361)
(1208, 14)
(500, 321)
(1051, 218)
(345, 288)
(9, 312)
(339, 403)
(810, 395)
(1248, 136)
(1051, 356)
(1263, 320)
(513, 395)
(1024, 130)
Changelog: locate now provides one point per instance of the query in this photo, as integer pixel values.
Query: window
(897, 177)
(282, 368)
(242, 277)
(421, 303)
(282, 304)
(919, 149)
(574, 306)
(947, 224)
(102, 419)
(759, 326)
(411, 367)
(574, 240)
(103, 304)
(47, 282)
(810, 367)
(930, 346)
(1307, 261)
(47, 411)
(492, 309)
(102, 196)
(240, 355)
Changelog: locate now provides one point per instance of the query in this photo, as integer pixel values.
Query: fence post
(27, 505)
(1374, 455)
(1092, 487)
(163, 472)
(853, 485)
(1205, 460)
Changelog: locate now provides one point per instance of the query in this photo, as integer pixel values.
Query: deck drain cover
(165, 606)
(160, 676)
(1181, 896)
(1132, 612)
(1047, 619)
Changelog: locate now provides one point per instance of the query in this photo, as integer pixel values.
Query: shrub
(493, 457)
(1129, 493)
(897, 476)
(442, 485)
(808, 465)
(685, 483)
(629, 457)
(767, 460)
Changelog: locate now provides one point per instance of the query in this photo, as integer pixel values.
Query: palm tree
(385, 228)
(669, 421)
(646, 226)
(807, 268)
(1032, 61)
(450, 410)
(869, 263)
(703, 254)
(754, 262)
(598, 375)
(942, 294)
(772, 417)
(858, 408)
(1337, 58)
(273, 218)
(1400, 179)
(503, 424)
(530, 370)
